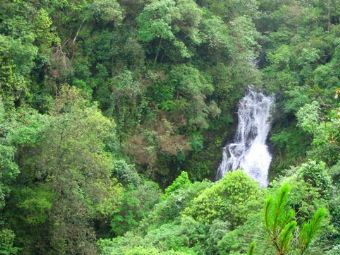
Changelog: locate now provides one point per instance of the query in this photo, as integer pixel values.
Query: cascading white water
(249, 151)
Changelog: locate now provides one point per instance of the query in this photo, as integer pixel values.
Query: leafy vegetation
(113, 114)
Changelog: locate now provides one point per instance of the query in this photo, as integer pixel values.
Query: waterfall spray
(249, 151)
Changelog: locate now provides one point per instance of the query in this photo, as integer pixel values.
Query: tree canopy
(113, 114)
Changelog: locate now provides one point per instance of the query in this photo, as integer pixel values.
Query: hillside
(114, 115)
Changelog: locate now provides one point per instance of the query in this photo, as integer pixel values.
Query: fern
(251, 248)
(310, 229)
(281, 226)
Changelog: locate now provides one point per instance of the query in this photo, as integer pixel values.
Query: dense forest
(113, 115)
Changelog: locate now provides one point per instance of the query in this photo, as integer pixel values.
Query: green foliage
(126, 173)
(27, 128)
(335, 250)
(251, 249)
(217, 230)
(246, 37)
(232, 199)
(152, 27)
(165, 19)
(7, 243)
(45, 36)
(280, 224)
(16, 60)
(71, 170)
(196, 142)
(290, 147)
(167, 76)
(231, 9)
(9, 170)
(317, 176)
(238, 241)
(308, 117)
(181, 182)
(104, 10)
(215, 33)
(310, 229)
(174, 236)
(192, 88)
(141, 60)
(140, 250)
(171, 238)
(279, 221)
(175, 203)
(8, 167)
(34, 204)
(135, 204)
(324, 133)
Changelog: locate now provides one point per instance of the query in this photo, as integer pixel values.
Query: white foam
(249, 151)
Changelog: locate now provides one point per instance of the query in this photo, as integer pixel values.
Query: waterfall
(249, 151)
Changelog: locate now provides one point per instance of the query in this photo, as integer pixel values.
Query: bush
(315, 173)
(136, 203)
(171, 208)
(182, 181)
(231, 199)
